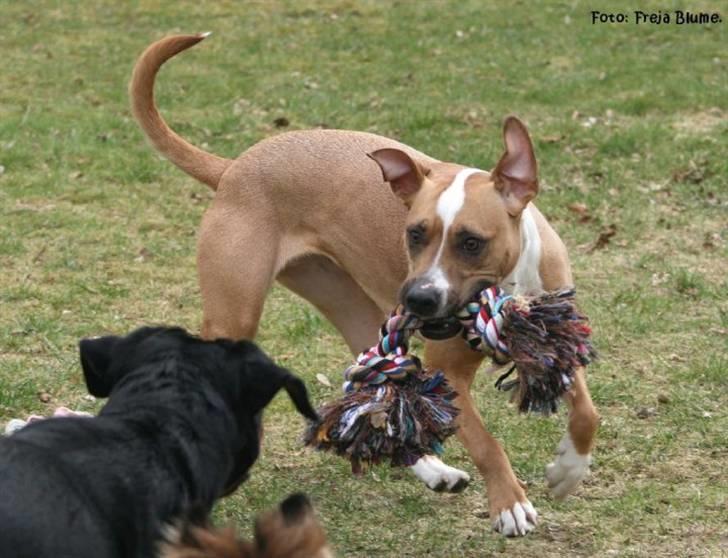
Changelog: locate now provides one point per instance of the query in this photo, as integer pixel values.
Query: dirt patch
(702, 122)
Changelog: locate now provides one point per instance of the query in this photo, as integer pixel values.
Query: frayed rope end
(547, 340)
(398, 420)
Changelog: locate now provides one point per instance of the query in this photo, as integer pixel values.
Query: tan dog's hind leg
(574, 452)
(236, 263)
(510, 511)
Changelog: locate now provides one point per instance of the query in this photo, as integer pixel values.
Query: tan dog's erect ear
(404, 175)
(516, 174)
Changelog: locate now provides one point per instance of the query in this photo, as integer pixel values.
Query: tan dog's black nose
(423, 300)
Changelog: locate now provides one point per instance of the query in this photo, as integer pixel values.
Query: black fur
(181, 428)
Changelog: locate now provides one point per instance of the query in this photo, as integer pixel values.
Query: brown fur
(309, 209)
(276, 536)
(208, 543)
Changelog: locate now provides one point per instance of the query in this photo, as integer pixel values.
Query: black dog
(181, 428)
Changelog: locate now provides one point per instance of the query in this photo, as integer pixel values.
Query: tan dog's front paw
(567, 470)
(511, 513)
(438, 476)
(516, 521)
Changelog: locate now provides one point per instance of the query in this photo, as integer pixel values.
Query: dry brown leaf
(646, 412)
(711, 240)
(581, 210)
(143, 256)
(603, 239)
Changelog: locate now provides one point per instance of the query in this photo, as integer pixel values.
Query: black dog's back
(180, 429)
(104, 486)
(48, 508)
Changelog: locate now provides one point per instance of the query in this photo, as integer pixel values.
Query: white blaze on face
(449, 204)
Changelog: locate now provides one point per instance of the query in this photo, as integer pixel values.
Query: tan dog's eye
(472, 245)
(415, 237)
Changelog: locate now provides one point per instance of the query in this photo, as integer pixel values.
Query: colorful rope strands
(394, 410)
(545, 337)
(388, 359)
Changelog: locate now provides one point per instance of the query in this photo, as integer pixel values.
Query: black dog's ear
(272, 379)
(95, 362)
(299, 395)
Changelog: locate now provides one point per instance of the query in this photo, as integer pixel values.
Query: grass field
(97, 232)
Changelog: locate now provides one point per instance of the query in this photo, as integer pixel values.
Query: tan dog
(309, 209)
(289, 531)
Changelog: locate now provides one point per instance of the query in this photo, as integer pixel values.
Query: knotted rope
(388, 359)
(482, 321)
(395, 409)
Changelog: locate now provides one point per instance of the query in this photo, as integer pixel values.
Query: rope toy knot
(483, 321)
(388, 359)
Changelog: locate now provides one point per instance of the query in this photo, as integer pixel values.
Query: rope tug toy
(394, 409)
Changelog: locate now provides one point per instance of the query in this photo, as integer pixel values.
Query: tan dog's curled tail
(203, 166)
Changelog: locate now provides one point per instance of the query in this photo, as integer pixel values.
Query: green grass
(97, 233)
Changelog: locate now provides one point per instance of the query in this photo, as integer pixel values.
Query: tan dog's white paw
(438, 476)
(568, 469)
(518, 521)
